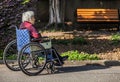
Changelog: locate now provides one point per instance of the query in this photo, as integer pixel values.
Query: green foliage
(115, 38)
(12, 57)
(1, 54)
(25, 1)
(10, 14)
(79, 40)
(75, 55)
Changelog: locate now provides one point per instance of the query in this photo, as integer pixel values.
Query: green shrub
(9, 57)
(75, 55)
(1, 54)
(115, 38)
(25, 1)
(78, 40)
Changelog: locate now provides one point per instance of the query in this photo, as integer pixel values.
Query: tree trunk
(57, 11)
(54, 12)
(62, 9)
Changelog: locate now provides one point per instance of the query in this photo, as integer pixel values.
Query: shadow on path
(86, 67)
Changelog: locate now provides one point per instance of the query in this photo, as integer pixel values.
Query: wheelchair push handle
(13, 26)
(43, 39)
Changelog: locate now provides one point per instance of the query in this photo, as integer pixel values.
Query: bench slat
(116, 15)
(97, 20)
(103, 17)
(97, 10)
(97, 15)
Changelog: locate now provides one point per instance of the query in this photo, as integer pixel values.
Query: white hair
(26, 16)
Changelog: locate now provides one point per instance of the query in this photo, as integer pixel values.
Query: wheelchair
(10, 56)
(30, 55)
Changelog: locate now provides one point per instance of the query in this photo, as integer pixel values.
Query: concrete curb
(94, 62)
(90, 62)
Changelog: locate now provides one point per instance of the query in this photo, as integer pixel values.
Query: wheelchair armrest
(41, 39)
(45, 39)
(36, 39)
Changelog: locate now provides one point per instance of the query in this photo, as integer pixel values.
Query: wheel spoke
(34, 62)
(10, 56)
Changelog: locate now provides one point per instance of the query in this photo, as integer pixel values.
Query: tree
(54, 12)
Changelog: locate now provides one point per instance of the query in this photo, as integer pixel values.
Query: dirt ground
(98, 42)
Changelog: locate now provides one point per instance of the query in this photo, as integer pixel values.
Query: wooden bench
(98, 16)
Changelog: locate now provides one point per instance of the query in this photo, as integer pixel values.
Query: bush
(75, 55)
(115, 38)
(1, 54)
(10, 14)
(79, 40)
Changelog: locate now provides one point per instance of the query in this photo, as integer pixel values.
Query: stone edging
(94, 62)
(90, 62)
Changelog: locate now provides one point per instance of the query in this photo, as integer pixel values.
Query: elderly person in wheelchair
(30, 52)
(28, 21)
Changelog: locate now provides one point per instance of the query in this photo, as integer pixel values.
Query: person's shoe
(64, 58)
(57, 64)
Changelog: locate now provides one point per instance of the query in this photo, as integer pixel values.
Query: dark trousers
(56, 54)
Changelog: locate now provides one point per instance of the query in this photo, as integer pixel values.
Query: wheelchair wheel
(32, 59)
(10, 56)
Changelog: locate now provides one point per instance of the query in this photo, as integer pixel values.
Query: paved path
(84, 73)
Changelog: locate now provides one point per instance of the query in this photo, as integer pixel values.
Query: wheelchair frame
(21, 52)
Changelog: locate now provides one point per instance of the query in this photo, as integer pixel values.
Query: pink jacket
(31, 28)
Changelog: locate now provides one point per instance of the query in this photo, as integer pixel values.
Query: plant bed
(105, 44)
(75, 55)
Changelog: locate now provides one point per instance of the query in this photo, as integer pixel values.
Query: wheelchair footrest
(50, 67)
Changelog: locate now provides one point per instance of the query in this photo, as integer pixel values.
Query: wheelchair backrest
(23, 38)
